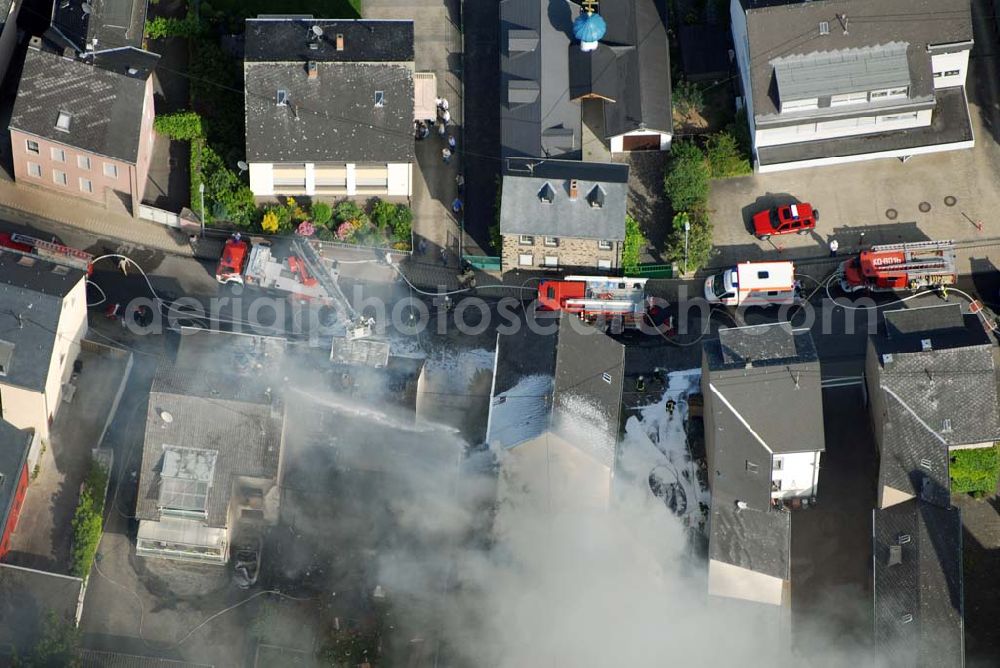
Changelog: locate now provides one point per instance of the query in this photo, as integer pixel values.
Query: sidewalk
(33, 205)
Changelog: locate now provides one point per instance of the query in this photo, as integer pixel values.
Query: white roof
(766, 275)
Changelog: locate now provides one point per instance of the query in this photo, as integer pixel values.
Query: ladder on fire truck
(327, 278)
(944, 260)
(53, 252)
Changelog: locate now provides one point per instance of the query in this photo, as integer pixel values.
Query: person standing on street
(446, 155)
(452, 143)
(834, 245)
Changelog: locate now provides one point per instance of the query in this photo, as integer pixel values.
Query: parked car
(785, 219)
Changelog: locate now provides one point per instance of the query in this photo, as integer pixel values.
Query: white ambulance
(753, 284)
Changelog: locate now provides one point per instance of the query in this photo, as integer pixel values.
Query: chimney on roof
(574, 189)
(925, 345)
(340, 41)
(895, 555)
(312, 70)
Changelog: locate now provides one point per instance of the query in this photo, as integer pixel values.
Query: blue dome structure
(589, 27)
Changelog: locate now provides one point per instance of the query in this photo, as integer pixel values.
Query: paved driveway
(939, 196)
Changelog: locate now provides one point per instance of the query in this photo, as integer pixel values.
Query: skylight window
(63, 121)
(380, 98)
(282, 97)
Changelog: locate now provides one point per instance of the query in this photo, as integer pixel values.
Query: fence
(160, 216)
(651, 271)
(484, 262)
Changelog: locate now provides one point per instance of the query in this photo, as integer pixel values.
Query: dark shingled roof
(109, 24)
(332, 117)
(757, 540)
(14, 446)
(569, 382)
(105, 107)
(276, 40)
(522, 210)
(94, 659)
(31, 302)
(952, 387)
(918, 586)
(779, 29)
(912, 459)
(630, 70)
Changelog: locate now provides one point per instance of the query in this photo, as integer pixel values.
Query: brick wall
(580, 254)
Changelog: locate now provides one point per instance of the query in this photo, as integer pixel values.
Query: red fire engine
(604, 298)
(908, 266)
(58, 253)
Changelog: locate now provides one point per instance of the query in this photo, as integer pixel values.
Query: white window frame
(58, 154)
(90, 185)
(83, 162)
(525, 260)
(889, 93)
(799, 105)
(64, 181)
(552, 242)
(895, 118)
(604, 264)
(552, 261)
(525, 240)
(605, 245)
(111, 170)
(848, 98)
(28, 143)
(35, 170)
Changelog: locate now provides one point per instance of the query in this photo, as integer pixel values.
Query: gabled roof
(918, 586)
(869, 26)
(31, 303)
(357, 104)
(942, 371)
(757, 540)
(14, 446)
(106, 24)
(567, 382)
(913, 460)
(104, 107)
(524, 210)
(291, 40)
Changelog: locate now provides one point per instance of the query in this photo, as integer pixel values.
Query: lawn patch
(975, 471)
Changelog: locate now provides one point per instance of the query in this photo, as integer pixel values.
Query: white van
(753, 284)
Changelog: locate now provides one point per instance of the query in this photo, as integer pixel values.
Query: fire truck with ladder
(603, 299)
(49, 250)
(906, 266)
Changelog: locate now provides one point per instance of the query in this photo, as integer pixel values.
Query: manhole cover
(891, 214)
(924, 207)
(950, 200)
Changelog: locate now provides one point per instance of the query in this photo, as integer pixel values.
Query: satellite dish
(86, 8)
(242, 164)
(166, 417)
(317, 30)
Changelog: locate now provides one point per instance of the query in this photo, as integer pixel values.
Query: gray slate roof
(919, 600)
(771, 22)
(556, 382)
(35, 293)
(631, 69)
(95, 659)
(333, 117)
(954, 381)
(110, 24)
(276, 39)
(757, 540)
(106, 106)
(522, 210)
(912, 460)
(14, 446)
(230, 412)
(27, 597)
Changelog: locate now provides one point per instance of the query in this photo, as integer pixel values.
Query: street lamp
(687, 228)
(201, 191)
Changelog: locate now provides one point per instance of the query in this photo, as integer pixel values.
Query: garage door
(641, 142)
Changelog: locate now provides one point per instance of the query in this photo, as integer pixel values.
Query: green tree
(183, 125)
(57, 646)
(635, 244)
(688, 97)
(322, 213)
(725, 159)
(687, 179)
(699, 240)
(88, 520)
(347, 210)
